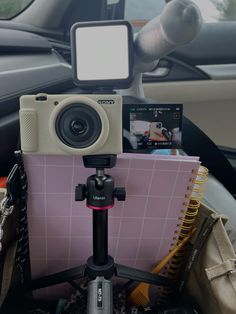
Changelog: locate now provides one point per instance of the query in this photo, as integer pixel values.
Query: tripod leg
(100, 296)
(142, 276)
(61, 277)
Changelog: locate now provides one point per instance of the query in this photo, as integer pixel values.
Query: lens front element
(78, 127)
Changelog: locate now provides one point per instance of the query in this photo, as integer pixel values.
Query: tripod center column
(100, 198)
(100, 237)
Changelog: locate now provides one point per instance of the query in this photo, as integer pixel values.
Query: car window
(10, 8)
(139, 11)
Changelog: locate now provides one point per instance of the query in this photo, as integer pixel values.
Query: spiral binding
(185, 226)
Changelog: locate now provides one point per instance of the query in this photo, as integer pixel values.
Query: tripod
(100, 193)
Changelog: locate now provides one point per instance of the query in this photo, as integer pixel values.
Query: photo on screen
(151, 127)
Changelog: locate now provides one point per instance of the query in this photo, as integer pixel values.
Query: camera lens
(78, 125)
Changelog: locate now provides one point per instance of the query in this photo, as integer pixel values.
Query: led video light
(102, 54)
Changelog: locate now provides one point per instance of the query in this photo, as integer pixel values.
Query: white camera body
(71, 124)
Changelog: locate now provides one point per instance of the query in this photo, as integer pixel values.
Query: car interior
(35, 57)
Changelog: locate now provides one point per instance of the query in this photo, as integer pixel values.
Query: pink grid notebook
(141, 229)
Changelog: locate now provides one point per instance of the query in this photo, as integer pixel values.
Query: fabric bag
(7, 252)
(212, 280)
(14, 252)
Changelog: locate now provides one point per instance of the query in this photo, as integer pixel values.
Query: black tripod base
(93, 271)
(58, 278)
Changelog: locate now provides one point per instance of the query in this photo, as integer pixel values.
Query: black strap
(22, 253)
(13, 186)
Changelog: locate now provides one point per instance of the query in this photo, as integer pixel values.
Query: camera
(71, 124)
(96, 125)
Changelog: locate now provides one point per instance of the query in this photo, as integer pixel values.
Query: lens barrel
(78, 125)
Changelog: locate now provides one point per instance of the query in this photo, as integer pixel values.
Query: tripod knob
(120, 194)
(80, 192)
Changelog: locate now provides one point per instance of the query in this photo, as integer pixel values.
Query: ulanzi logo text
(99, 198)
(106, 102)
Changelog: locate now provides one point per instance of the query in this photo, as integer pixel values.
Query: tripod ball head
(100, 192)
